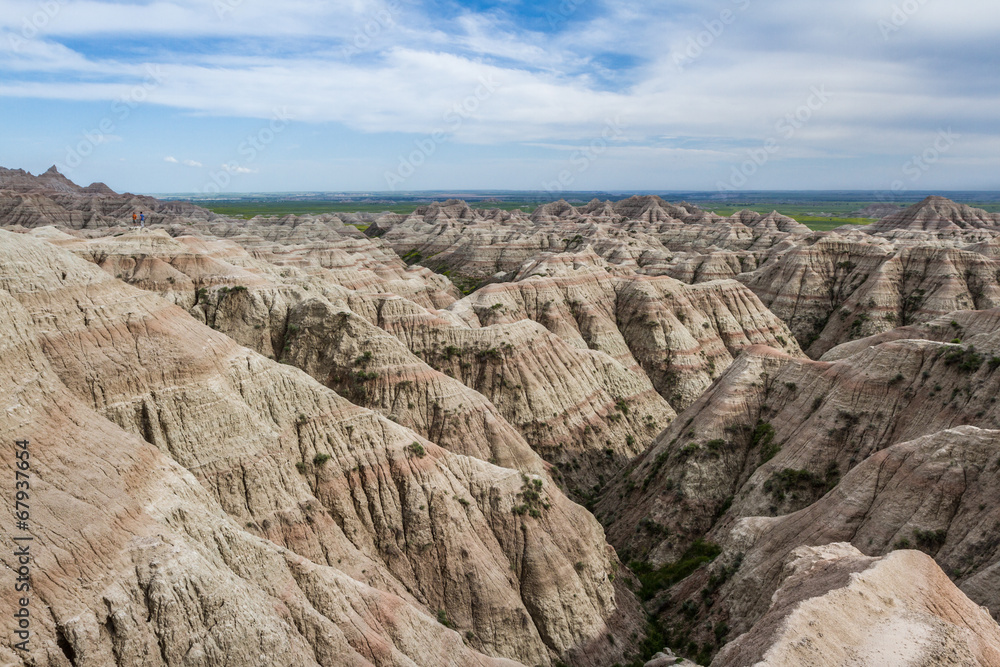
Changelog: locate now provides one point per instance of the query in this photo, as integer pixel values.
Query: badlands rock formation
(285, 441)
(837, 606)
(51, 198)
(828, 287)
(284, 465)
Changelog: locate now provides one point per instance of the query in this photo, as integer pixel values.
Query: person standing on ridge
(134, 219)
(142, 219)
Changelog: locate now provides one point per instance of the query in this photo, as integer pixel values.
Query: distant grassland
(249, 209)
(839, 212)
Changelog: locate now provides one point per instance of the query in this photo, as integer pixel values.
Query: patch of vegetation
(465, 284)
(655, 580)
(689, 449)
(763, 437)
(930, 540)
(532, 501)
(417, 449)
(320, 459)
(967, 360)
(911, 304)
(442, 617)
(653, 527)
(412, 257)
(857, 325)
(789, 481)
(716, 445)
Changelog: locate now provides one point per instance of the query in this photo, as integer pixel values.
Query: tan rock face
(305, 317)
(412, 523)
(681, 336)
(932, 493)
(836, 291)
(836, 606)
(770, 413)
(52, 199)
(814, 444)
(938, 214)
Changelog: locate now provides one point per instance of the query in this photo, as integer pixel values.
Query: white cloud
(187, 163)
(553, 90)
(237, 169)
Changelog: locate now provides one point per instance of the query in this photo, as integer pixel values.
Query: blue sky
(374, 95)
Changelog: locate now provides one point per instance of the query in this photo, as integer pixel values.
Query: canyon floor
(622, 433)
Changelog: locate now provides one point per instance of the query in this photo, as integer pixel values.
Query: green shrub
(930, 540)
(653, 581)
(967, 360)
(532, 501)
(417, 449)
(791, 481)
(763, 437)
(320, 459)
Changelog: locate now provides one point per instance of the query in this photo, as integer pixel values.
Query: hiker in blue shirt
(142, 219)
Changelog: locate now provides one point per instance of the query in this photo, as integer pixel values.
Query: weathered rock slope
(836, 606)
(432, 529)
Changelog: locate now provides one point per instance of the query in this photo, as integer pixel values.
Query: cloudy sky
(372, 95)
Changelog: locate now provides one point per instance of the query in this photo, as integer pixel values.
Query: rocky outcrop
(932, 494)
(681, 336)
(835, 290)
(828, 287)
(289, 468)
(836, 606)
(52, 199)
(937, 214)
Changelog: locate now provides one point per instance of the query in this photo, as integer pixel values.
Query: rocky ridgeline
(829, 287)
(282, 440)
